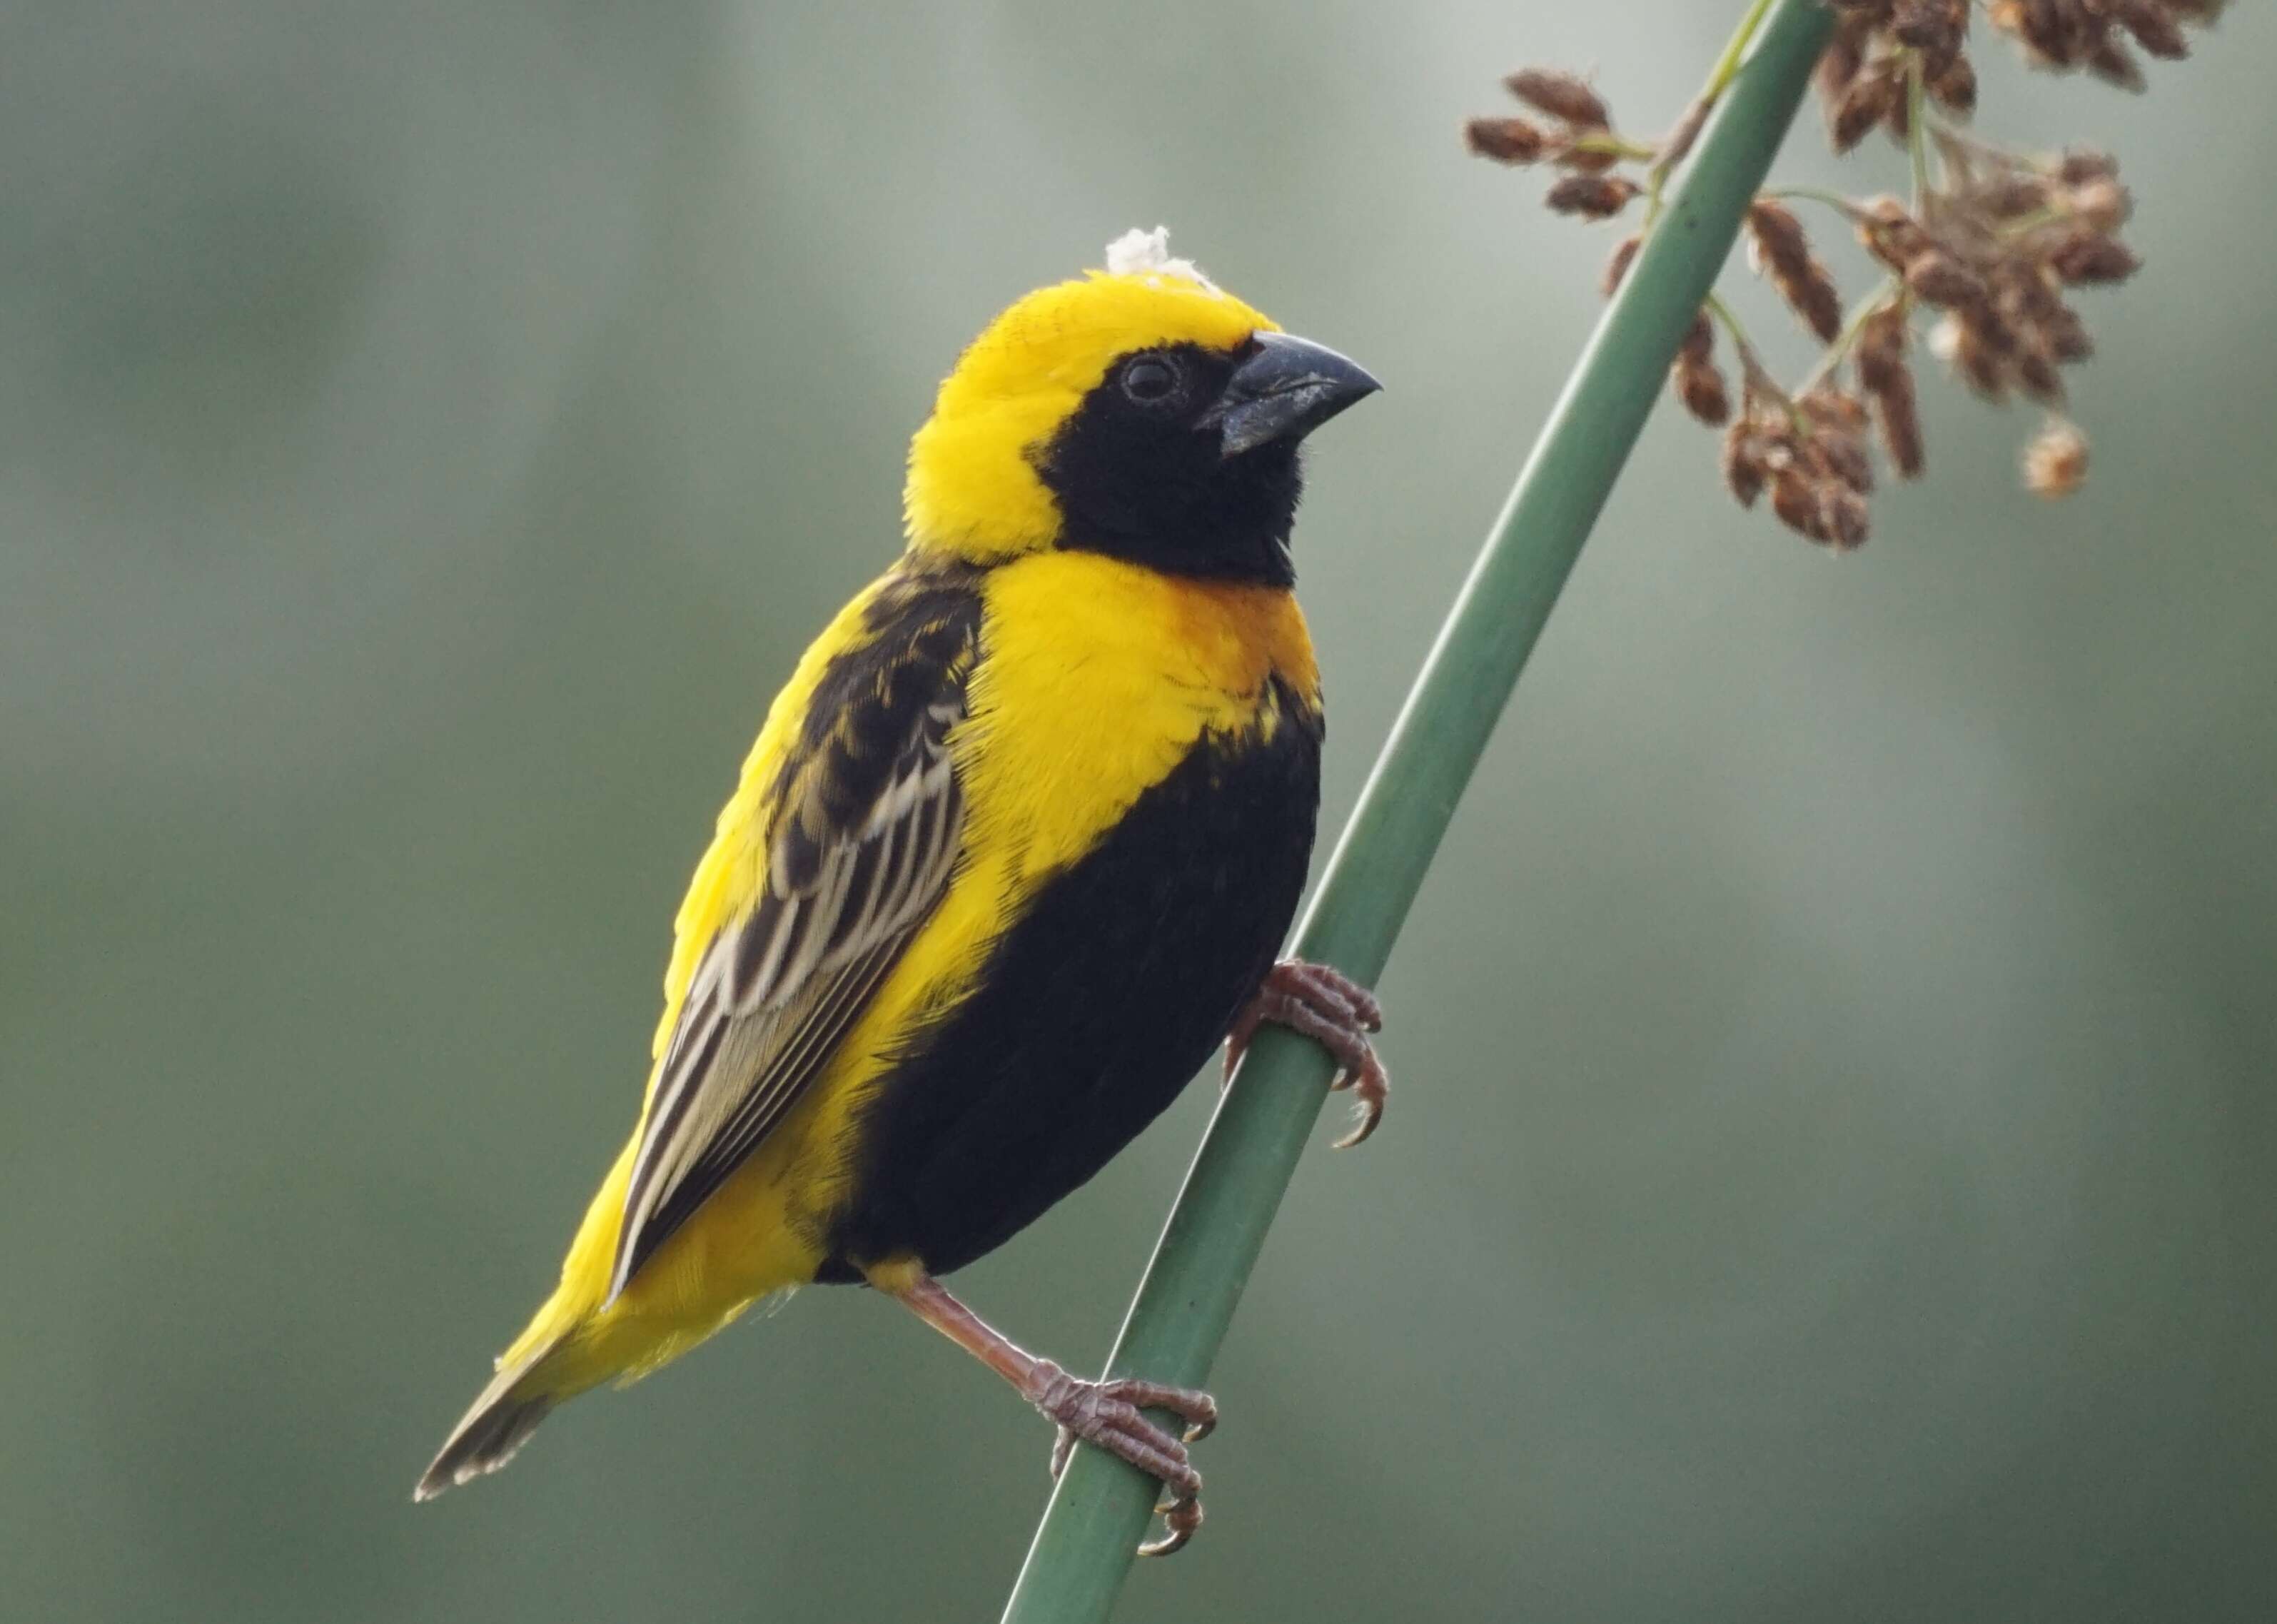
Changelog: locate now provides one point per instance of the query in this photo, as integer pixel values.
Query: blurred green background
(1829, 1172)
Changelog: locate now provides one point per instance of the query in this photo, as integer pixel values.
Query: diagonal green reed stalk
(1100, 1509)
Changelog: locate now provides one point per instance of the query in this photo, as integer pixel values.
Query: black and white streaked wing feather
(868, 827)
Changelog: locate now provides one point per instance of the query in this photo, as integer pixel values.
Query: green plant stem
(1729, 319)
(1735, 50)
(1100, 1511)
(1916, 131)
(1678, 144)
(1853, 325)
(1614, 145)
(1847, 208)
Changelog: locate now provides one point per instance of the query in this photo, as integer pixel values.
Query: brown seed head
(1863, 106)
(1891, 234)
(1843, 457)
(1881, 348)
(1898, 117)
(1994, 330)
(1701, 387)
(2114, 64)
(2009, 194)
(2049, 30)
(1894, 409)
(2065, 335)
(1936, 277)
(2080, 164)
(1842, 517)
(1775, 239)
(1585, 154)
(1506, 140)
(1831, 407)
(1795, 499)
(1743, 463)
(1618, 265)
(1813, 297)
(1698, 346)
(1935, 27)
(2055, 463)
(1839, 62)
(2154, 29)
(1593, 197)
(1968, 347)
(1561, 95)
(1954, 86)
(2088, 256)
(2102, 204)
(2037, 377)
(1775, 245)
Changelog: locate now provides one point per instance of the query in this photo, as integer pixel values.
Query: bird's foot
(1110, 1414)
(1337, 1012)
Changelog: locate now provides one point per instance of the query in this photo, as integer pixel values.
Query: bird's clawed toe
(1324, 1004)
(1111, 1415)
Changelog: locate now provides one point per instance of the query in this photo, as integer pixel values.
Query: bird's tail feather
(500, 1422)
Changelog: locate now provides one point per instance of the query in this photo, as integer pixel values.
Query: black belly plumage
(1094, 1011)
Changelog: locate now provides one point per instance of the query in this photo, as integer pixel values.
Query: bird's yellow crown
(974, 492)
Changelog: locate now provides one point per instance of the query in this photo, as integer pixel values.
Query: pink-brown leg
(1105, 1413)
(1328, 1006)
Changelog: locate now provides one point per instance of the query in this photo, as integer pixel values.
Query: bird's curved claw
(1110, 1414)
(1328, 1006)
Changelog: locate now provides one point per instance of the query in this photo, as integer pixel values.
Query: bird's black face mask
(1185, 460)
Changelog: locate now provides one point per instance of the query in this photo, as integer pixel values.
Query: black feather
(1093, 1011)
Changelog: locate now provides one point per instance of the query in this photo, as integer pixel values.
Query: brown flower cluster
(2093, 34)
(1996, 251)
(1778, 249)
(1579, 138)
(1810, 450)
(1989, 249)
(1865, 76)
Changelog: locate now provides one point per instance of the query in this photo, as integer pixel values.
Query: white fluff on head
(1147, 253)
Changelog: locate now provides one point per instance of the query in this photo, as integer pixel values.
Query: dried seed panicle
(1989, 249)
(1844, 56)
(1890, 234)
(1954, 86)
(1695, 376)
(1616, 266)
(1938, 279)
(1593, 197)
(1743, 463)
(1898, 418)
(1580, 138)
(1936, 28)
(1562, 95)
(1506, 140)
(1780, 251)
(2092, 33)
(2088, 256)
(1836, 436)
(2055, 463)
(1701, 390)
(1881, 347)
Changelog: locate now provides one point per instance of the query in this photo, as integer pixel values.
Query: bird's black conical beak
(1286, 389)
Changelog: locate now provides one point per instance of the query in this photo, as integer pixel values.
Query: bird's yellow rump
(1014, 847)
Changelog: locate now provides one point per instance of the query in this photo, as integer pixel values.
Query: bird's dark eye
(1150, 379)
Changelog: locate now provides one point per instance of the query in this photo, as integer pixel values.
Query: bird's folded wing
(866, 830)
